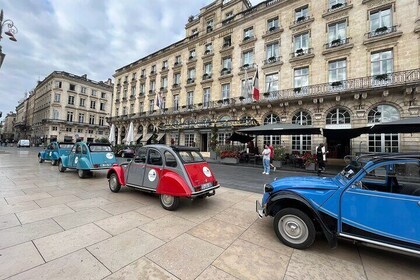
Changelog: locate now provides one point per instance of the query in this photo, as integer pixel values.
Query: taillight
(214, 183)
(96, 165)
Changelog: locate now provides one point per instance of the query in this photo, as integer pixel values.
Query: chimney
(84, 76)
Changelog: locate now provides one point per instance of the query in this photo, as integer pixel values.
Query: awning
(409, 125)
(281, 129)
(138, 137)
(240, 138)
(160, 136)
(147, 137)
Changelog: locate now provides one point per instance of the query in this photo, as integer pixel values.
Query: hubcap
(81, 173)
(113, 182)
(167, 200)
(293, 229)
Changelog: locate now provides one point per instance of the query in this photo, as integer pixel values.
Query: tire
(169, 202)
(53, 162)
(40, 160)
(82, 173)
(114, 184)
(294, 228)
(61, 168)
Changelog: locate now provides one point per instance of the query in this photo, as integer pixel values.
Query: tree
(214, 137)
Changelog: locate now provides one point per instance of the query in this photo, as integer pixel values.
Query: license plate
(206, 186)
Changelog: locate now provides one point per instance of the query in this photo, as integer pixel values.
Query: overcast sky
(93, 37)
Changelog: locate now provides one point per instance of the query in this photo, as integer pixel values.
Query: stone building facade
(65, 107)
(329, 63)
(8, 127)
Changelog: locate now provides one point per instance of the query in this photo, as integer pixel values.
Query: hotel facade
(64, 107)
(329, 64)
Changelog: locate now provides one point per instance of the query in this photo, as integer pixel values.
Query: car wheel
(294, 228)
(169, 202)
(82, 173)
(114, 184)
(40, 160)
(53, 162)
(61, 168)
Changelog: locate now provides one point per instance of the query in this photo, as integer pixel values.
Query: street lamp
(11, 31)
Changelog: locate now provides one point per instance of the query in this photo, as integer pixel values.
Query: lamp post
(11, 31)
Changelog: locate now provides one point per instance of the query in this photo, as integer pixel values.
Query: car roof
(163, 147)
(379, 157)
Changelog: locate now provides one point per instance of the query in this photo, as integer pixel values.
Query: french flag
(158, 101)
(255, 89)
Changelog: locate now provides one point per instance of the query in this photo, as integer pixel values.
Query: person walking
(266, 159)
(272, 156)
(320, 157)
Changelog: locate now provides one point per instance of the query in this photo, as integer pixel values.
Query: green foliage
(102, 140)
(214, 137)
(279, 153)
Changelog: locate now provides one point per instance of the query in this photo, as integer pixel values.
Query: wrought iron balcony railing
(383, 30)
(272, 60)
(336, 43)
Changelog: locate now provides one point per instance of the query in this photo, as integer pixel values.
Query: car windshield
(65, 146)
(190, 156)
(100, 148)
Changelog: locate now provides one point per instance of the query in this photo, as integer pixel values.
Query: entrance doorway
(204, 142)
(338, 148)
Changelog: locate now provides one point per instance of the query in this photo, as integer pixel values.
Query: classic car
(87, 157)
(126, 152)
(375, 200)
(54, 151)
(171, 172)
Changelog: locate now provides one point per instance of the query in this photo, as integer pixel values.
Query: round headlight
(268, 188)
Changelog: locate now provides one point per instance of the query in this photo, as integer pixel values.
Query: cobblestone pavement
(56, 226)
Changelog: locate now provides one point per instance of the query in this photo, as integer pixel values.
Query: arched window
(140, 129)
(272, 139)
(302, 143)
(247, 120)
(150, 128)
(384, 142)
(338, 116)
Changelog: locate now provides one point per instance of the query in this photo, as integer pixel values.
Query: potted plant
(279, 156)
(309, 161)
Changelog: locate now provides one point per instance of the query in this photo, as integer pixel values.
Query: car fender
(55, 156)
(64, 161)
(84, 163)
(172, 183)
(41, 154)
(117, 169)
(292, 196)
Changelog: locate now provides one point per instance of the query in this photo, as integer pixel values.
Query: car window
(78, 149)
(73, 150)
(100, 148)
(50, 147)
(65, 146)
(190, 156)
(407, 178)
(154, 158)
(141, 156)
(84, 150)
(170, 159)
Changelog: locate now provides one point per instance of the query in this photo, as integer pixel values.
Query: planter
(277, 163)
(229, 160)
(213, 155)
(310, 166)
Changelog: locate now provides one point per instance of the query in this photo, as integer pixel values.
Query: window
(177, 79)
(191, 74)
(100, 132)
(178, 60)
(54, 128)
(208, 49)
(176, 102)
(338, 116)
(210, 24)
(72, 87)
(154, 158)
(225, 91)
(71, 100)
(57, 97)
(248, 58)
(227, 41)
(380, 21)
(142, 88)
(92, 104)
(272, 139)
(79, 130)
(69, 116)
(164, 83)
(82, 102)
(152, 85)
(102, 106)
(337, 73)
(134, 76)
(272, 52)
(164, 64)
(90, 131)
(68, 129)
(58, 84)
(382, 62)
(133, 90)
(273, 24)
(151, 105)
(337, 34)
(301, 143)
(272, 84)
(103, 95)
(208, 69)
(101, 121)
(91, 119)
(83, 90)
(116, 111)
(228, 14)
(301, 44)
(56, 114)
(141, 107)
(153, 71)
(189, 140)
(246, 87)
(190, 99)
(301, 14)
(81, 118)
(248, 33)
(227, 63)
(170, 159)
(124, 110)
(126, 79)
(192, 54)
(301, 80)
(206, 98)
(334, 4)
(143, 73)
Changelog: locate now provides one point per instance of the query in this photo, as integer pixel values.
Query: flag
(158, 101)
(255, 89)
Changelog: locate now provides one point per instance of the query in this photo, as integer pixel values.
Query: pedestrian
(266, 159)
(321, 157)
(272, 156)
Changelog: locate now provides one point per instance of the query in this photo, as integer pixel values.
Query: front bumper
(259, 209)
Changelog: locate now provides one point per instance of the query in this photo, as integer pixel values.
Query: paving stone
(185, 249)
(237, 217)
(29, 197)
(9, 220)
(56, 200)
(121, 207)
(43, 213)
(18, 207)
(245, 260)
(78, 265)
(153, 211)
(8, 259)
(120, 223)
(20, 234)
(82, 217)
(124, 248)
(214, 273)
(168, 227)
(88, 203)
(60, 244)
(141, 269)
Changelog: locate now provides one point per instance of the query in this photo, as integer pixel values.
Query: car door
(77, 155)
(136, 168)
(153, 170)
(49, 151)
(72, 156)
(389, 214)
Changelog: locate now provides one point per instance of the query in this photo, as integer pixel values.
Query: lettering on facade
(227, 32)
(336, 16)
(379, 2)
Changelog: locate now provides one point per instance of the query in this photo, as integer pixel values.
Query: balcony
(301, 54)
(190, 81)
(247, 66)
(177, 64)
(207, 76)
(336, 43)
(228, 20)
(301, 20)
(272, 60)
(225, 71)
(248, 39)
(382, 33)
(193, 36)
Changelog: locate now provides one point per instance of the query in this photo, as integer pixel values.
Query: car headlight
(268, 188)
